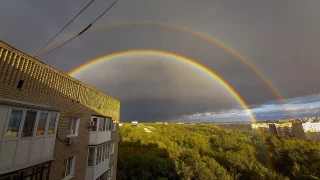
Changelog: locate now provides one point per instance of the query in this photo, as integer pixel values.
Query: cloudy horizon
(279, 38)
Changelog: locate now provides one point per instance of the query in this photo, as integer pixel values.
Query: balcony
(27, 135)
(100, 131)
(98, 160)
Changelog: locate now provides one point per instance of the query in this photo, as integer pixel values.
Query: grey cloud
(279, 37)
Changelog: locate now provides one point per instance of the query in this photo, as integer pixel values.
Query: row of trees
(210, 152)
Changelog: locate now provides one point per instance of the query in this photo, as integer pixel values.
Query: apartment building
(53, 126)
(261, 127)
(307, 130)
(284, 129)
(302, 130)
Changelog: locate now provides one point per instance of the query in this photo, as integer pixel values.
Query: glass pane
(102, 152)
(14, 123)
(104, 124)
(114, 123)
(73, 125)
(101, 124)
(95, 120)
(108, 146)
(28, 171)
(42, 123)
(29, 123)
(69, 166)
(5, 178)
(105, 151)
(37, 176)
(16, 177)
(98, 155)
(52, 123)
(110, 124)
(45, 174)
(91, 157)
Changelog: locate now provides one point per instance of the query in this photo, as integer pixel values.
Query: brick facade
(45, 85)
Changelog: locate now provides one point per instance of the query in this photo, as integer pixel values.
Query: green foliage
(210, 152)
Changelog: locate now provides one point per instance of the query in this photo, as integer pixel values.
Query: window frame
(22, 121)
(69, 176)
(101, 123)
(55, 125)
(114, 125)
(111, 148)
(45, 125)
(8, 121)
(93, 158)
(34, 123)
(76, 134)
(95, 124)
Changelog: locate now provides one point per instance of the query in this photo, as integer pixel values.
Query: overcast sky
(279, 37)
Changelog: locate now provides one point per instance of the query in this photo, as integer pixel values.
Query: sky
(280, 38)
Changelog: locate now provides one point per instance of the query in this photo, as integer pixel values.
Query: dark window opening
(20, 84)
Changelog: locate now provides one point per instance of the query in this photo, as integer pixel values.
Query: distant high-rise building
(307, 130)
(53, 126)
(273, 128)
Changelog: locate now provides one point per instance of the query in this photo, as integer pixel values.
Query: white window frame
(20, 125)
(45, 125)
(55, 125)
(109, 120)
(111, 148)
(76, 133)
(95, 124)
(94, 156)
(114, 125)
(72, 168)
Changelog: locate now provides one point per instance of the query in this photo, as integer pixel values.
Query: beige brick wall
(45, 85)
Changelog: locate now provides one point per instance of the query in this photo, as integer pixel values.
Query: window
(98, 155)
(74, 126)
(109, 124)
(91, 157)
(28, 125)
(32, 173)
(94, 127)
(101, 124)
(105, 151)
(14, 123)
(52, 123)
(42, 124)
(111, 148)
(68, 165)
(114, 124)
(102, 153)
(104, 124)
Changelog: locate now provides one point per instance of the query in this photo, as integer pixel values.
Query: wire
(85, 29)
(64, 28)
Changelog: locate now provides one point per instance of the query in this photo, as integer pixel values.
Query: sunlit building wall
(53, 126)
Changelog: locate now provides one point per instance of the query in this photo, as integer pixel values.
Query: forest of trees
(209, 152)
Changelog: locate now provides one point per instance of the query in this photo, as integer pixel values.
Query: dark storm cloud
(279, 37)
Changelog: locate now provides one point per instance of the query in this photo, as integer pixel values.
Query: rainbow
(234, 93)
(171, 55)
(197, 34)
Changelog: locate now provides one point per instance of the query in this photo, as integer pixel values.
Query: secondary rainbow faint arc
(172, 55)
(200, 35)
